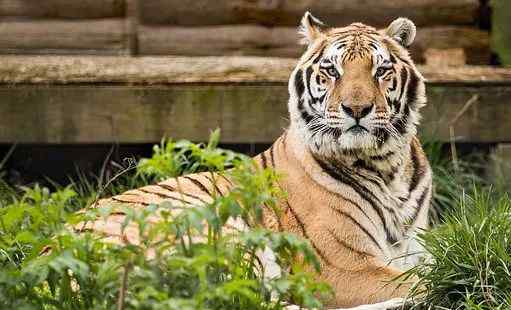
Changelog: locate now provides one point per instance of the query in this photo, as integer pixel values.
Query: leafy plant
(187, 259)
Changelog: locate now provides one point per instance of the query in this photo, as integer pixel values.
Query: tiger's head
(355, 89)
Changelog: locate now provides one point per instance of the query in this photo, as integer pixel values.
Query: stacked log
(283, 41)
(289, 12)
(224, 27)
(63, 27)
(268, 27)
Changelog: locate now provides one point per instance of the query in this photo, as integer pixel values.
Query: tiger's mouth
(357, 129)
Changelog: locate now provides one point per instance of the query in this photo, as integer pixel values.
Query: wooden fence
(226, 27)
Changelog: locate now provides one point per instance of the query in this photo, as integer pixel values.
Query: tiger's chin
(330, 146)
(358, 140)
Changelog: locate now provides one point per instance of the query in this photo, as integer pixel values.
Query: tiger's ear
(310, 28)
(402, 30)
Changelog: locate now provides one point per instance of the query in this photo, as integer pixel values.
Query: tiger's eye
(331, 71)
(380, 71)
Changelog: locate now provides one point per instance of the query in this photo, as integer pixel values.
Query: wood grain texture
(174, 70)
(231, 40)
(289, 12)
(63, 8)
(256, 40)
(245, 113)
(101, 36)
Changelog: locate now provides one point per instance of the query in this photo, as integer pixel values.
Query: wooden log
(289, 12)
(501, 30)
(110, 99)
(63, 8)
(246, 113)
(474, 42)
(104, 36)
(178, 70)
(220, 40)
(283, 41)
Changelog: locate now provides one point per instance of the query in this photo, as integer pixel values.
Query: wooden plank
(289, 12)
(173, 70)
(245, 113)
(103, 36)
(62, 8)
(256, 40)
(501, 30)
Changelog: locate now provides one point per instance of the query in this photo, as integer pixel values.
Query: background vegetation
(190, 262)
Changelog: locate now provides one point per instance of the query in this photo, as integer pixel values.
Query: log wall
(223, 27)
(137, 100)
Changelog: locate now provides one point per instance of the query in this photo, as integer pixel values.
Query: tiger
(358, 183)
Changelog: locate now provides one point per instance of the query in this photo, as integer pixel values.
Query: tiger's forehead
(356, 41)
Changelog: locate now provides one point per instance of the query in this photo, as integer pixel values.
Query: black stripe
(362, 164)
(382, 157)
(364, 193)
(412, 89)
(214, 184)
(358, 207)
(346, 245)
(199, 184)
(420, 205)
(308, 74)
(125, 201)
(356, 223)
(400, 123)
(272, 157)
(264, 160)
(226, 179)
(392, 58)
(304, 232)
(164, 196)
(303, 112)
(277, 217)
(404, 77)
(403, 60)
(157, 194)
(171, 189)
(299, 86)
(418, 172)
(316, 60)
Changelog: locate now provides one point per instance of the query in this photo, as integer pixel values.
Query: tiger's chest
(367, 218)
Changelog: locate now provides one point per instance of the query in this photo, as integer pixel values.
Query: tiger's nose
(357, 111)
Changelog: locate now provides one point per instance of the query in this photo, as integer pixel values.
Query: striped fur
(359, 194)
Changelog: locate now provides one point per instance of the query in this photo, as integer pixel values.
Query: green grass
(44, 264)
(470, 256)
(186, 261)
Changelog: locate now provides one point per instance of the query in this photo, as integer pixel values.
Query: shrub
(186, 260)
(470, 256)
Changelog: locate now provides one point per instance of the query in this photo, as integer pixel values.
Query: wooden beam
(283, 41)
(62, 8)
(244, 112)
(132, 100)
(289, 12)
(101, 36)
(176, 70)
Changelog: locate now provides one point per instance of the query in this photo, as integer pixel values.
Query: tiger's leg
(377, 283)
